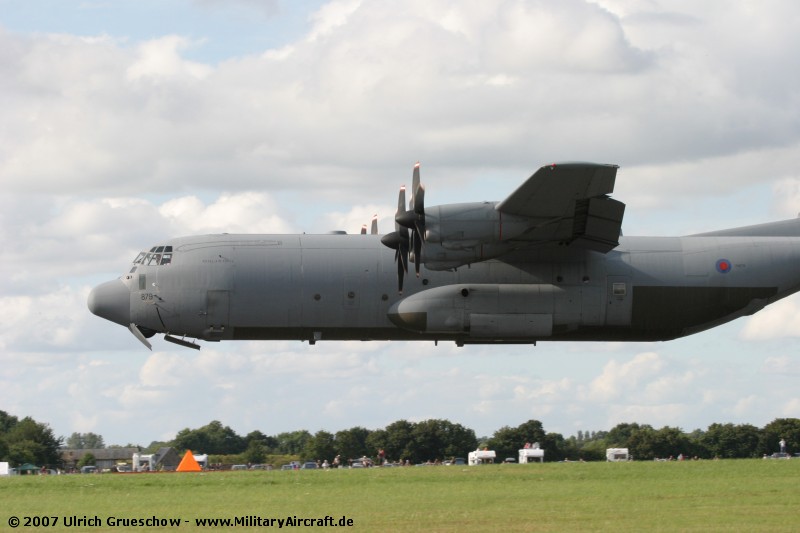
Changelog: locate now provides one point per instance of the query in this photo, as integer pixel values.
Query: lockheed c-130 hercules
(547, 263)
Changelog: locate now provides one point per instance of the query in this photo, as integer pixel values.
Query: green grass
(741, 495)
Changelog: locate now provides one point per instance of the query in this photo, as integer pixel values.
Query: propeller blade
(419, 201)
(363, 229)
(401, 203)
(416, 241)
(398, 240)
(414, 187)
(419, 226)
(402, 268)
(374, 229)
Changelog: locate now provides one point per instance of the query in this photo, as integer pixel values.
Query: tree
(269, 443)
(292, 443)
(555, 447)
(593, 449)
(31, 442)
(256, 452)
(319, 447)
(376, 440)
(85, 441)
(398, 437)
(787, 429)
(7, 422)
(507, 441)
(440, 439)
(728, 441)
(648, 443)
(620, 434)
(88, 459)
(352, 443)
(213, 438)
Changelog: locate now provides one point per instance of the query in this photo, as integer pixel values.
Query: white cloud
(48, 321)
(247, 212)
(779, 320)
(159, 60)
(620, 378)
(553, 81)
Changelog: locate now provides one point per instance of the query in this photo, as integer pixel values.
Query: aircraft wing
(569, 203)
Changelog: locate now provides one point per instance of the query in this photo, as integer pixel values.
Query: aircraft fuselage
(344, 287)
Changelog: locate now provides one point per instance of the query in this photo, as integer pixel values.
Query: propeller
(398, 240)
(414, 218)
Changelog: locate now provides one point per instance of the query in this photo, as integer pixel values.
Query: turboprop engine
(453, 235)
(444, 237)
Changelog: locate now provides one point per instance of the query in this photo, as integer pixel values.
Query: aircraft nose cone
(112, 301)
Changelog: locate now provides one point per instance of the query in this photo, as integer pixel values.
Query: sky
(128, 122)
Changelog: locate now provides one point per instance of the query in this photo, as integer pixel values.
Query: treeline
(432, 440)
(27, 441)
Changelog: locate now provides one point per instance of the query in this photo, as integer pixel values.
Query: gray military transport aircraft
(547, 263)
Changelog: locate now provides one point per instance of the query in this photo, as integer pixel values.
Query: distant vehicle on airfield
(547, 263)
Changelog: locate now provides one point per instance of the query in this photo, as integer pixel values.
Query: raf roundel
(724, 266)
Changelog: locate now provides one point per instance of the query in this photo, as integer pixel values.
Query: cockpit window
(158, 255)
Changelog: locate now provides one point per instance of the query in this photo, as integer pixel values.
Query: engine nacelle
(480, 311)
(460, 234)
(458, 226)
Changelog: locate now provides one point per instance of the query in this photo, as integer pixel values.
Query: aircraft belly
(669, 312)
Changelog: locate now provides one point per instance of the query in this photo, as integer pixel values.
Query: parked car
(88, 469)
(309, 465)
(239, 467)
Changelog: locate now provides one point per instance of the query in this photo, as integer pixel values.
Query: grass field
(741, 495)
